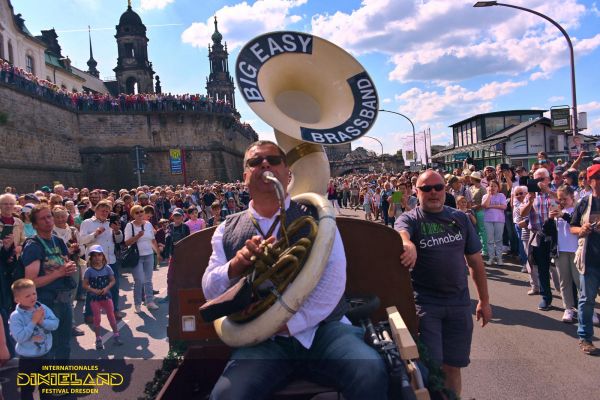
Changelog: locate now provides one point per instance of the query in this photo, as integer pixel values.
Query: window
(129, 50)
(493, 125)
(475, 132)
(529, 117)
(1, 46)
(29, 64)
(512, 120)
(10, 52)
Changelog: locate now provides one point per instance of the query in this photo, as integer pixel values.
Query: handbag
(130, 256)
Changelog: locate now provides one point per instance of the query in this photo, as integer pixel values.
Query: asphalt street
(523, 353)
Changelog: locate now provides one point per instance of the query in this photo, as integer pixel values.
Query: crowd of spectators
(532, 217)
(98, 102)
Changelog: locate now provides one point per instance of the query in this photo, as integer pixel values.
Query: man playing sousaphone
(317, 342)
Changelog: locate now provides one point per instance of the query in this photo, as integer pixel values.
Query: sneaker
(117, 341)
(533, 292)
(137, 308)
(99, 345)
(488, 261)
(119, 315)
(588, 347)
(499, 261)
(155, 291)
(595, 320)
(568, 316)
(494, 260)
(152, 306)
(544, 305)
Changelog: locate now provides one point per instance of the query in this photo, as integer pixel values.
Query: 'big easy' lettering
(259, 51)
(361, 120)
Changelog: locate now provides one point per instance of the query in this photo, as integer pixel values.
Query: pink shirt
(195, 226)
(494, 214)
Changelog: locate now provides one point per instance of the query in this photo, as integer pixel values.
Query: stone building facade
(43, 143)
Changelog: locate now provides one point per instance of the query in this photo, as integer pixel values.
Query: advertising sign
(560, 118)
(175, 161)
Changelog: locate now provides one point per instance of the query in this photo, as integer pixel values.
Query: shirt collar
(258, 217)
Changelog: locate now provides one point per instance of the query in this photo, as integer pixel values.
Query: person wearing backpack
(46, 263)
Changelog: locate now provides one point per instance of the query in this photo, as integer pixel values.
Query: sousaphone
(312, 93)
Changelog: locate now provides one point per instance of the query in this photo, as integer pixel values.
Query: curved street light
(381, 144)
(565, 34)
(413, 130)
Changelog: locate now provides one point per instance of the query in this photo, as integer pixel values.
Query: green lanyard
(54, 255)
(257, 226)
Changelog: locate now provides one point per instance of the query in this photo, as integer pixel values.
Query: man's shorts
(447, 332)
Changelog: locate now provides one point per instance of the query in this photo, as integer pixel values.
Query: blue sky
(437, 61)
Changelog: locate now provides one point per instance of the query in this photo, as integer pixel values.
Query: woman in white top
(141, 232)
(567, 245)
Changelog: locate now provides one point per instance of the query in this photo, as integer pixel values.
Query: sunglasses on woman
(428, 188)
(256, 161)
(520, 194)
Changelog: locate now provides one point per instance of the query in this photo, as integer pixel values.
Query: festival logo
(69, 379)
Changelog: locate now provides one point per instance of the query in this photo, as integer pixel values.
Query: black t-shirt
(442, 240)
(450, 200)
(592, 252)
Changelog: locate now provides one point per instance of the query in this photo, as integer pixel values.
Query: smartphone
(532, 186)
(6, 230)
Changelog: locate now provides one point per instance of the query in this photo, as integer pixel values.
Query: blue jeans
(142, 277)
(522, 254)
(590, 282)
(494, 238)
(338, 357)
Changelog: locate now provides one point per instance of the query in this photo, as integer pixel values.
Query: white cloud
(241, 22)
(442, 40)
(453, 102)
(554, 99)
(154, 4)
(589, 107)
(387, 100)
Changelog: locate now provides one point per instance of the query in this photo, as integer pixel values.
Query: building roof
(470, 147)
(130, 17)
(498, 114)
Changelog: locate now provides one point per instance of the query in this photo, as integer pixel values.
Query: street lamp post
(565, 34)
(413, 130)
(381, 144)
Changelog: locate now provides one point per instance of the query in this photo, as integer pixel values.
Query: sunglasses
(256, 161)
(138, 212)
(519, 194)
(428, 188)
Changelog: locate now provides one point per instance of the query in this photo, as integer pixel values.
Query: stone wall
(42, 143)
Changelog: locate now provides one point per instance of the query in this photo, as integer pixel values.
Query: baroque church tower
(133, 72)
(219, 84)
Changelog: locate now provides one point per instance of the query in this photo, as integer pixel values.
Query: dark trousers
(384, 211)
(541, 257)
(28, 366)
(61, 337)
